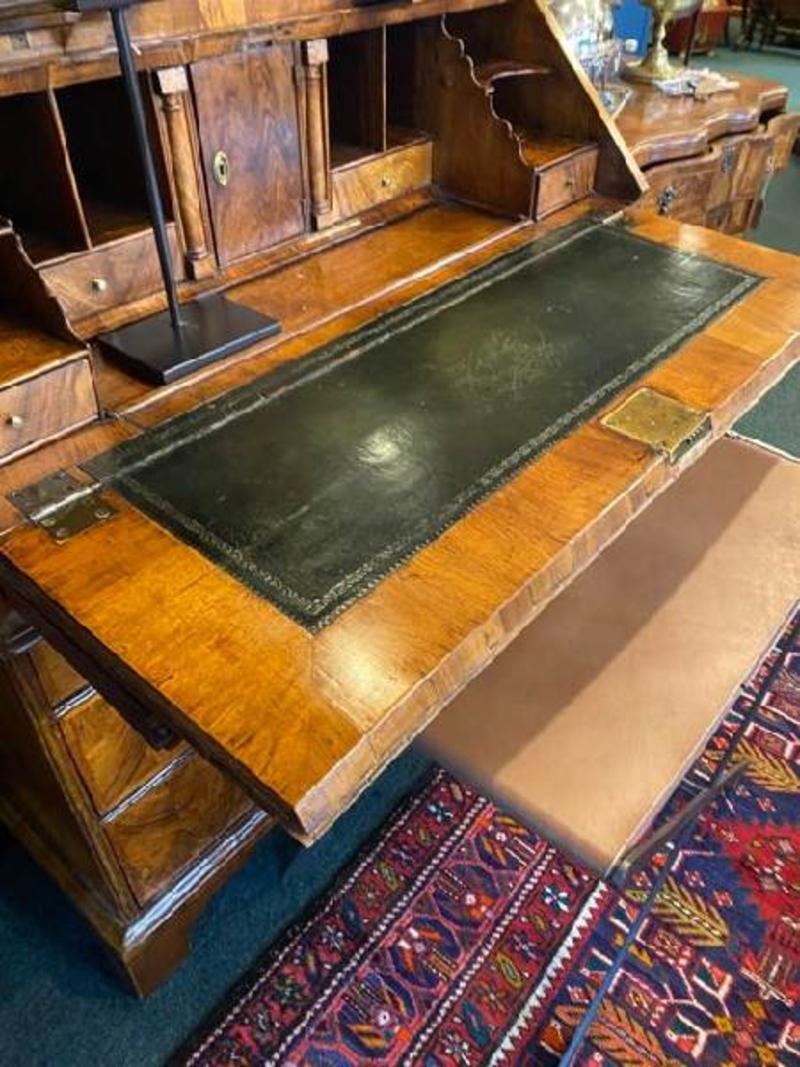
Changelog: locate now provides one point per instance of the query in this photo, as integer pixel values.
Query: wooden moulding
(182, 138)
(315, 59)
(150, 944)
(171, 32)
(305, 721)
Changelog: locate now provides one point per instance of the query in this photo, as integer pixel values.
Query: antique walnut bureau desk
(230, 600)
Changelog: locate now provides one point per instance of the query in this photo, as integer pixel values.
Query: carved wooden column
(173, 85)
(315, 59)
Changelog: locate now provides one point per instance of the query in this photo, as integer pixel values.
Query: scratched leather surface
(315, 482)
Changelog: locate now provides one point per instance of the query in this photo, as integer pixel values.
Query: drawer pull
(99, 285)
(16, 422)
(666, 198)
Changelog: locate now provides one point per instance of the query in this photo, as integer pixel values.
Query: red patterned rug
(463, 938)
(422, 953)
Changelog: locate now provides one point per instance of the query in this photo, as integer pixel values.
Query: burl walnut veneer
(327, 165)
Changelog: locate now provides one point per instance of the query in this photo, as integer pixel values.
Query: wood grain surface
(658, 127)
(304, 722)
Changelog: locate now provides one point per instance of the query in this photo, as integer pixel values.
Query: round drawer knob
(99, 285)
(386, 181)
(15, 421)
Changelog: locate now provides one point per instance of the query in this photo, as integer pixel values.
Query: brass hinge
(665, 424)
(62, 505)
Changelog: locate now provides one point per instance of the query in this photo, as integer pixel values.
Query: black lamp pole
(170, 344)
(119, 21)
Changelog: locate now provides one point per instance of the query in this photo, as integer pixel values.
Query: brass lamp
(656, 65)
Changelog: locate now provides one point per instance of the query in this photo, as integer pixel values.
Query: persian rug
(425, 950)
(713, 975)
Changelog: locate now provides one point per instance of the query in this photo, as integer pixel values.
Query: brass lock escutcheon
(222, 168)
(666, 198)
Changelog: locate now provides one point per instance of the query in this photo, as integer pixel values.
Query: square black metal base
(212, 327)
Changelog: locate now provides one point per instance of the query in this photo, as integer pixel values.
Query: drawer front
(112, 758)
(783, 130)
(110, 277)
(46, 406)
(565, 182)
(170, 826)
(739, 218)
(741, 168)
(754, 167)
(360, 186)
(681, 190)
(59, 681)
(31, 659)
(733, 218)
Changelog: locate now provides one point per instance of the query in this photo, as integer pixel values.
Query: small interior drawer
(116, 274)
(35, 409)
(565, 181)
(376, 179)
(113, 759)
(171, 824)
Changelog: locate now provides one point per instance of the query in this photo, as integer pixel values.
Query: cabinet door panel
(247, 110)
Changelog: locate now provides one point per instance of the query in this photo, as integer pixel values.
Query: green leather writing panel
(313, 483)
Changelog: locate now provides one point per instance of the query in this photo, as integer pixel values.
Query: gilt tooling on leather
(314, 482)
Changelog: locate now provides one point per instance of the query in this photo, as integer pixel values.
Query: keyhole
(222, 168)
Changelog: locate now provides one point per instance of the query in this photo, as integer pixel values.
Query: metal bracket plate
(666, 425)
(62, 505)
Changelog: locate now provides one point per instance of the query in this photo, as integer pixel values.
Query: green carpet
(775, 421)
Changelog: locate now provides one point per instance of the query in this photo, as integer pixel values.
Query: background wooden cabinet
(709, 162)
